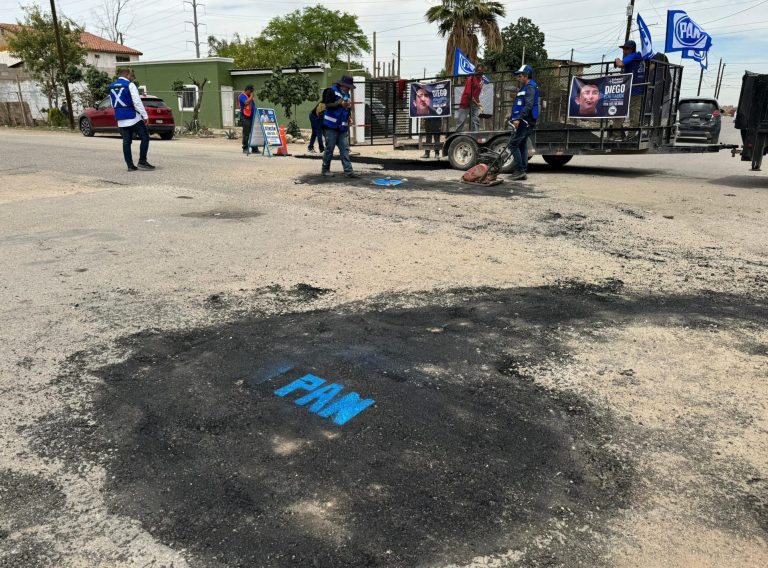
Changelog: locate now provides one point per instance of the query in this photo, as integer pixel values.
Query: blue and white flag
(463, 66)
(685, 34)
(646, 43)
(700, 56)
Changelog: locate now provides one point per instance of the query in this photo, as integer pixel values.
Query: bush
(57, 118)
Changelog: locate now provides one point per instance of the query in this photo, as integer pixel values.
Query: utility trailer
(557, 137)
(752, 119)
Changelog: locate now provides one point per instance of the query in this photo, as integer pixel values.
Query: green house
(219, 108)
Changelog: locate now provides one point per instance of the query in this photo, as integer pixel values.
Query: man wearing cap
(631, 62)
(525, 113)
(338, 102)
(131, 117)
(247, 112)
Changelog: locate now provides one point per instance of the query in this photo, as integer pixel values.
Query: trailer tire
(463, 153)
(508, 166)
(557, 160)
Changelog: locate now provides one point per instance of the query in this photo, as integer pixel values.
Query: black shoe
(146, 166)
(245, 150)
(352, 174)
(132, 168)
(327, 173)
(426, 154)
(518, 176)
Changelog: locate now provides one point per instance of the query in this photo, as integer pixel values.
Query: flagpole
(701, 76)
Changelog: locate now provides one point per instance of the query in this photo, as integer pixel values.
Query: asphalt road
(232, 361)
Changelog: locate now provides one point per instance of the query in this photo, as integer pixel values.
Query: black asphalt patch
(413, 183)
(461, 455)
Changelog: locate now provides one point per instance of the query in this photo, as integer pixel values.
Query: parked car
(101, 118)
(699, 118)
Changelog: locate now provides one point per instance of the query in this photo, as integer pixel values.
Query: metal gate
(381, 112)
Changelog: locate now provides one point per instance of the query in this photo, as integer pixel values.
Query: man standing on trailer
(469, 106)
(631, 62)
(338, 103)
(525, 113)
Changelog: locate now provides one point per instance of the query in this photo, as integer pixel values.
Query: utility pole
(720, 84)
(398, 59)
(717, 79)
(195, 23)
(374, 55)
(62, 66)
(571, 55)
(630, 13)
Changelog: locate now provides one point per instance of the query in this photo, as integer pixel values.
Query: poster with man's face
(431, 100)
(600, 97)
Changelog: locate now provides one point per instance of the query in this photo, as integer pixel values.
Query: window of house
(188, 98)
(122, 58)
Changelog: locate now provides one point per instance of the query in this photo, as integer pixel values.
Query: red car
(101, 118)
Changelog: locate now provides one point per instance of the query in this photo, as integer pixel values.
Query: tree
(34, 42)
(248, 52)
(111, 17)
(289, 91)
(178, 88)
(96, 86)
(461, 21)
(315, 35)
(524, 35)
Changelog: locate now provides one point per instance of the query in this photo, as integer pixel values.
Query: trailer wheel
(509, 165)
(557, 161)
(463, 153)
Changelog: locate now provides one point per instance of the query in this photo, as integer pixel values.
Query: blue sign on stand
(326, 399)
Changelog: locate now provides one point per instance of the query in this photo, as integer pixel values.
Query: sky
(592, 28)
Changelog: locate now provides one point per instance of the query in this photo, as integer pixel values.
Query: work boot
(352, 174)
(327, 173)
(518, 176)
(426, 154)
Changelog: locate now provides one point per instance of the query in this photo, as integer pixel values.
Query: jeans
(317, 131)
(246, 122)
(519, 147)
(127, 132)
(473, 113)
(335, 138)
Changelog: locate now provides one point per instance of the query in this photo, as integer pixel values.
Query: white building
(102, 53)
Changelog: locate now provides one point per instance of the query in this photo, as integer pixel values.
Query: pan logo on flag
(612, 110)
(683, 33)
(465, 66)
(687, 32)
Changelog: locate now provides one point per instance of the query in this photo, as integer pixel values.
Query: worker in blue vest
(338, 102)
(525, 113)
(631, 62)
(131, 117)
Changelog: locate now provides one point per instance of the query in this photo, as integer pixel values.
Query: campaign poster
(431, 100)
(269, 126)
(600, 97)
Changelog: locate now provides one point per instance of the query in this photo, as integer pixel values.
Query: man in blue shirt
(525, 113)
(338, 103)
(131, 117)
(247, 112)
(631, 62)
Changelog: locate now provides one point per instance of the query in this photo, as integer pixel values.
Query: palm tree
(461, 20)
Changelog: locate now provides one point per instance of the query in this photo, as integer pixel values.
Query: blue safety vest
(120, 95)
(519, 104)
(635, 64)
(337, 117)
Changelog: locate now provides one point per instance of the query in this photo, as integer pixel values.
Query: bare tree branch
(111, 18)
